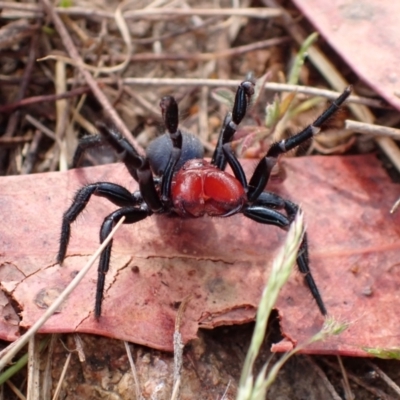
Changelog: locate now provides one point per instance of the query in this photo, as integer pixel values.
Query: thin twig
(145, 57)
(62, 376)
(14, 141)
(272, 86)
(7, 108)
(38, 125)
(175, 390)
(134, 371)
(61, 115)
(79, 348)
(47, 379)
(224, 396)
(33, 389)
(178, 348)
(15, 390)
(395, 206)
(347, 389)
(230, 52)
(371, 129)
(261, 13)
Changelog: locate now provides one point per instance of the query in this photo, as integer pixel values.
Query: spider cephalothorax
(175, 180)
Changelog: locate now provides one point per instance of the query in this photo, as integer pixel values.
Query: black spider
(186, 185)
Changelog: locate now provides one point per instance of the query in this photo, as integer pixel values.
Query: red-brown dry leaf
(220, 263)
(365, 33)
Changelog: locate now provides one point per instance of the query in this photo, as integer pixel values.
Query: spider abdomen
(200, 188)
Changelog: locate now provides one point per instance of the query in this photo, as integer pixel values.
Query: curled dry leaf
(221, 263)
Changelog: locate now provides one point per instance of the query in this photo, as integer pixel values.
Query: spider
(174, 179)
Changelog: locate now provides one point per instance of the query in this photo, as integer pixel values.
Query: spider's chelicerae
(174, 179)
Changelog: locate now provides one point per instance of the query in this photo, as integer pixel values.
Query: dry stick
(9, 352)
(38, 125)
(334, 77)
(134, 371)
(276, 87)
(33, 387)
(62, 114)
(47, 380)
(395, 206)
(262, 13)
(224, 396)
(15, 390)
(73, 53)
(7, 108)
(347, 389)
(13, 141)
(371, 129)
(178, 348)
(62, 376)
(79, 348)
(231, 52)
(145, 57)
(16, 80)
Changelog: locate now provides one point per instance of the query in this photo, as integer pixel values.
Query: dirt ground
(191, 46)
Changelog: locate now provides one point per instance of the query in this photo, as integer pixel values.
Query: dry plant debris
(44, 107)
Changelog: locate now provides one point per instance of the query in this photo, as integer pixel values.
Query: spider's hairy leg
(264, 211)
(132, 215)
(127, 153)
(303, 259)
(170, 114)
(117, 194)
(288, 144)
(235, 165)
(242, 99)
(263, 170)
(87, 142)
(136, 164)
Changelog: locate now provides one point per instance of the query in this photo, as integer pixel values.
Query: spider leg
(231, 122)
(263, 170)
(137, 165)
(302, 259)
(235, 165)
(87, 142)
(117, 194)
(110, 135)
(132, 215)
(126, 152)
(262, 213)
(169, 110)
